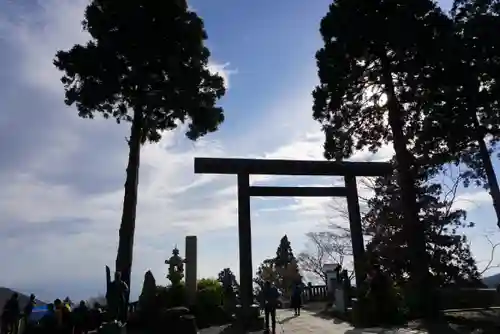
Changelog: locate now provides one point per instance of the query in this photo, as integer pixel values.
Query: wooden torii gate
(243, 168)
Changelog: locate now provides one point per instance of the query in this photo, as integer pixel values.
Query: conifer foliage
(146, 63)
(451, 261)
(376, 69)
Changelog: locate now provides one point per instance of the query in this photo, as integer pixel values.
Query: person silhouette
(10, 314)
(271, 296)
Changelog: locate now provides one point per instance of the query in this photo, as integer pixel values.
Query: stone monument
(191, 267)
(331, 271)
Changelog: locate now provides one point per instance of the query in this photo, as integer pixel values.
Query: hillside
(5, 294)
(492, 281)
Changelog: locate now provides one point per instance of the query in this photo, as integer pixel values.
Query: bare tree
(332, 246)
(491, 262)
(338, 206)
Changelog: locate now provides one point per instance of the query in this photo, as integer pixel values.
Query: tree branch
(490, 264)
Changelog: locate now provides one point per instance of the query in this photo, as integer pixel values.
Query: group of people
(58, 318)
(271, 301)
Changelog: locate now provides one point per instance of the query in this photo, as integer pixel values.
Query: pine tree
(146, 64)
(284, 253)
(377, 69)
(467, 124)
(286, 266)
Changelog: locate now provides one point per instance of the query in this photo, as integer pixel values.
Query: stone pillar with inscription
(191, 266)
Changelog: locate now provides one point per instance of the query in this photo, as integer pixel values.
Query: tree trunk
(491, 177)
(415, 235)
(127, 227)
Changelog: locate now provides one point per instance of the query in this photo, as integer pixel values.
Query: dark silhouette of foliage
(466, 128)
(146, 63)
(284, 253)
(451, 262)
(376, 70)
(266, 272)
(282, 270)
(286, 265)
(227, 278)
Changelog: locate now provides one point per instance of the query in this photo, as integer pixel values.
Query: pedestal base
(250, 320)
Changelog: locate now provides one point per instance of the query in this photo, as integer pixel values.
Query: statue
(148, 292)
(116, 296)
(176, 267)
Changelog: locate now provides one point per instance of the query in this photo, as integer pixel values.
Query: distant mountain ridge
(6, 293)
(492, 281)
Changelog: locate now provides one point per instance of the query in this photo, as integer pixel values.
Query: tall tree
(374, 81)
(286, 265)
(451, 261)
(146, 63)
(281, 270)
(467, 127)
(284, 253)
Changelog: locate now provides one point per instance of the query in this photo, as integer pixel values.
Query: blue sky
(62, 177)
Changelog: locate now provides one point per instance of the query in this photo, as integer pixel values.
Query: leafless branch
(449, 196)
(338, 207)
(332, 246)
(491, 265)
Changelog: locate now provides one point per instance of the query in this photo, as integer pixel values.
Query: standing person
(28, 309)
(48, 323)
(81, 318)
(63, 316)
(95, 317)
(296, 298)
(10, 315)
(271, 295)
(381, 295)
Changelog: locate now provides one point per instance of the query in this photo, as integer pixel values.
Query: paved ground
(308, 323)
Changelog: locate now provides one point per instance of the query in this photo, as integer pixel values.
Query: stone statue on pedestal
(176, 267)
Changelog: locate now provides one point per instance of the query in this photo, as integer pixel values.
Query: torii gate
(243, 168)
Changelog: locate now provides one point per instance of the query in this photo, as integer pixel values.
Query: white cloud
(224, 71)
(469, 201)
